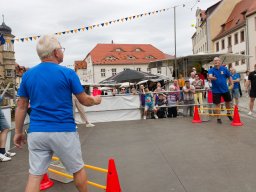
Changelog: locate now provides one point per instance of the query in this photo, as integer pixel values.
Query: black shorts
(252, 93)
(217, 97)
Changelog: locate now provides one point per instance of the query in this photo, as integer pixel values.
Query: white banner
(113, 108)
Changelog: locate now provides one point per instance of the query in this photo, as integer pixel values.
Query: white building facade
(251, 26)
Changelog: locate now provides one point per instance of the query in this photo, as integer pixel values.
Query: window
(242, 36)
(9, 73)
(223, 44)
(229, 41)
(243, 60)
(130, 57)
(103, 72)
(236, 38)
(110, 58)
(113, 71)
(237, 62)
(138, 69)
(118, 50)
(125, 69)
(255, 22)
(217, 47)
(148, 70)
(6, 47)
(150, 57)
(137, 49)
(159, 71)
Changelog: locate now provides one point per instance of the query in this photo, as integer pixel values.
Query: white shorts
(65, 145)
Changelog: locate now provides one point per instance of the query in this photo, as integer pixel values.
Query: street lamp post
(175, 46)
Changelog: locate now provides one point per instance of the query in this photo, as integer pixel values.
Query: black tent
(129, 75)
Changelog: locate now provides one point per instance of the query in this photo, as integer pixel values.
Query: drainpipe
(247, 45)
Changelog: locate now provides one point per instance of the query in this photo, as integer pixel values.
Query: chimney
(112, 42)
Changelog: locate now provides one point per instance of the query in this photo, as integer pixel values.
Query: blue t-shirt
(49, 88)
(220, 84)
(149, 99)
(235, 77)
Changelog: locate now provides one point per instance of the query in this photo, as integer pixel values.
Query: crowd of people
(215, 86)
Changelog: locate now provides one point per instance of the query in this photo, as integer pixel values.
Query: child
(149, 103)
(161, 103)
(172, 101)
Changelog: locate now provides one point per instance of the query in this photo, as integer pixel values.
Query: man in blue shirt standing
(218, 76)
(235, 91)
(49, 88)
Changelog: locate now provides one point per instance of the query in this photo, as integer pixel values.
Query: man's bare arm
(88, 100)
(20, 114)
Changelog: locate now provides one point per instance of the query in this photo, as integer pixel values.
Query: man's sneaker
(219, 121)
(250, 113)
(156, 117)
(144, 117)
(9, 154)
(229, 117)
(90, 125)
(3, 158)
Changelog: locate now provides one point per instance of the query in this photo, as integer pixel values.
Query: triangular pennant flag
(17, 40)
(141, 15)
(163, 9)
(133, 17)
(160, 11)
(130, 17)
(75, 30)
(94, 26)
(34, 37)
(90, 27)
(156, 11)
(106, 23)
(12, 41)
(98, 25)
(110, 22)
(67, 31)
(145, 13)
(22, 39)
(71, 31)
(83, 28)
(153, 12)
(59, 33)
(56, 33)
(114, 21)
(38, 36)
(126, 18)
(122, 19)
(31, 38)
(118, 20)
(79, 29)
(149, 13)
(26, 38)
(102, 24)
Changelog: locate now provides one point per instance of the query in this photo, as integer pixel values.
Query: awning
(200, 57)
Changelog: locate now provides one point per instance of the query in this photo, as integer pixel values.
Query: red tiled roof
(80, 65)
(236, 19)
(203, 15)
(20, 69)
(101, 52)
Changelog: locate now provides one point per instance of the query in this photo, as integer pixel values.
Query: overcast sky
(31, 18)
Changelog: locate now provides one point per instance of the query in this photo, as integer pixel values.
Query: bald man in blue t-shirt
(218, 76)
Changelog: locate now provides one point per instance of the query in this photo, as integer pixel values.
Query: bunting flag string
(91, 27)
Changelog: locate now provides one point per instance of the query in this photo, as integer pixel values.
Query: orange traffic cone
(196, 118)
(236, 118)
(112, 178)
(46, 183)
